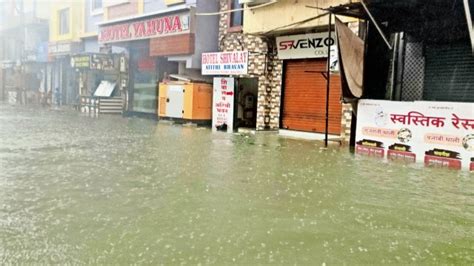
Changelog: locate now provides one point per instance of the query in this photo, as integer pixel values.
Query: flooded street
(76, 189)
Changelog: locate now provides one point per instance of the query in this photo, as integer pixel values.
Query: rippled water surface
(75, 189)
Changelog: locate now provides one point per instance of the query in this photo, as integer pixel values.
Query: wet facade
(23, 51)
(431, 58)
(299, 78)
(164, 38)
(280, 92)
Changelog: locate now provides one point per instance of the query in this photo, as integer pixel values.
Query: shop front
(100, 82)
(149, 40)
(305, 81)
(235, 92)
(65, 89)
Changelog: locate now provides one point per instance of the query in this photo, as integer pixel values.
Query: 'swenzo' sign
(312, 45)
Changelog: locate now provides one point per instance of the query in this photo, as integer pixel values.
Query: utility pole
(328, 82)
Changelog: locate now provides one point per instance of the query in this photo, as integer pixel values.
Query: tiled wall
(262, 65)
(123, 10)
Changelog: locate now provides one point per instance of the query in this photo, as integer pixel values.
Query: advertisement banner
(437, 134)
(225, 63)
(223, 105)
(311, 45)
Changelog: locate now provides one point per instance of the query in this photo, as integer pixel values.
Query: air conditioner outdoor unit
(255, 2)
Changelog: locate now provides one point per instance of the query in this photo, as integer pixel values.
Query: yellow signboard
(81, 61)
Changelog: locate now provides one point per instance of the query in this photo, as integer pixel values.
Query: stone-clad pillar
(262, 65)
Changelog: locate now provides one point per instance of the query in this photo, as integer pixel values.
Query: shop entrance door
(246, 93)
(304, 97)
(175, 101)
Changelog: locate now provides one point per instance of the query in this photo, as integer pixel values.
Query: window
(96, 4)
(96, 7)
(236, 18)
(64, 21)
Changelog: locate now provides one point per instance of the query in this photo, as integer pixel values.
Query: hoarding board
(223, 104)
(434, 133)
(311, 45)
(225, 63)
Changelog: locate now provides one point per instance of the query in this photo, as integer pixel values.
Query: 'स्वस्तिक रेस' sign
(434, 133)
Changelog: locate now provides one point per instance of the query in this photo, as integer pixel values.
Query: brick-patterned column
(260, 65)
(346, 122)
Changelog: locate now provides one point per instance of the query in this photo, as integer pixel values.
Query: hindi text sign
(435, 133)
(223, 104)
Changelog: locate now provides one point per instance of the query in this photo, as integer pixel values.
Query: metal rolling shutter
(449, 74)
(304, 97)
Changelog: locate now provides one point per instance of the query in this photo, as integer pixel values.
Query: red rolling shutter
(304, 97)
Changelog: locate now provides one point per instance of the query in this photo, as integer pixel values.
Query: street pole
(328, 82)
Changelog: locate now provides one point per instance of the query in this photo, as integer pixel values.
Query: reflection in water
(114, 190)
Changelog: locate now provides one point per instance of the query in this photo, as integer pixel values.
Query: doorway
(246, 101)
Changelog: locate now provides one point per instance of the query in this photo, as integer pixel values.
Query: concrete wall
(76, 11)
(154, 5)
(91, 45)
(134, 7)
(91, 20)
(286, 12)
(207, 30)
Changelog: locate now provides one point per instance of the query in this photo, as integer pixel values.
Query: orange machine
(185, 101)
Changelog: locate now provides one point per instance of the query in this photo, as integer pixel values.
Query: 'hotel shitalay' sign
(145, 29)
(225, 63)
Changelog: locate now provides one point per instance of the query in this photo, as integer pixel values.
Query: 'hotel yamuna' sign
(145, 28)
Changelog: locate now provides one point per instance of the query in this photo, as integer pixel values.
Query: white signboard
(105, 89)
(435, 133)
(311, 45)
(12, 97)
(223, 104)
(225, 63)
(59, 48)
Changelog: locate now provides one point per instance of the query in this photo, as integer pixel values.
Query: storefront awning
(351, 51)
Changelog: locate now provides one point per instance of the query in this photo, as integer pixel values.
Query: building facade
(291, 90)
(65, 30)
(23, 50)
(160, 38)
